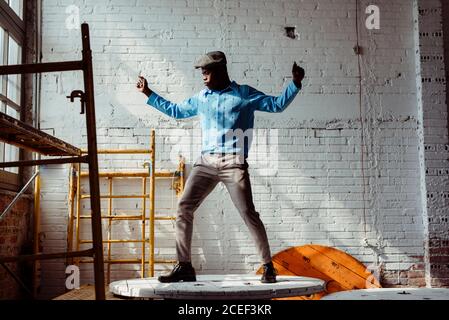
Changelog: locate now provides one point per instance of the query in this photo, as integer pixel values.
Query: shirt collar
(232, 86)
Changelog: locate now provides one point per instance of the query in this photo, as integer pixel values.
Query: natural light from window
(10, 89)
(16, 6)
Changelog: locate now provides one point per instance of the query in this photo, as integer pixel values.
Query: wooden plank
(115, 217)
(94, 185)
(41, 67)
(9, 102)
(327, 264)
(131, 196)
(116, 241)
(136, 174)
(23, 135)
(130, 261)
(348, 272)
(340, 271)
(48, 256)
(25, 163)
(348, 263)
(121, 151)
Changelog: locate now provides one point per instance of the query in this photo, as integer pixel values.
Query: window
(10, 92)
(16, 6)
(12, 34)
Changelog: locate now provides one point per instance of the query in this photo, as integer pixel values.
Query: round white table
(391, 294)
(218, 287)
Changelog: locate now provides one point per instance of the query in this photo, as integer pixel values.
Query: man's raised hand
(142, 86)
(298, 74)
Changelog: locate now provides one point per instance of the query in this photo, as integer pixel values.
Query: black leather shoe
(183, 271)
(269, 273)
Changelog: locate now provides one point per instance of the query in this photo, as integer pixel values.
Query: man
(227, 118)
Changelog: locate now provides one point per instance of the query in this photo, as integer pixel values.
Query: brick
(317, 183)
(14, 236)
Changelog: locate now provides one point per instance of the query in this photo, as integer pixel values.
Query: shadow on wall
(307, 218)
(376, 247)
(217, 258)
(118, 104)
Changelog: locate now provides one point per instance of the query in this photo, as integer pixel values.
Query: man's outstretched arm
(186, 109)
(263, 102)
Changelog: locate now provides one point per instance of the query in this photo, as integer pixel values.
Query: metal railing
(18, 195)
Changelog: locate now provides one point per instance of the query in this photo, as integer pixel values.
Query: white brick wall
(315, 195)
(435, 142)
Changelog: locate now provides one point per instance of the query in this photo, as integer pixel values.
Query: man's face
(209, 77)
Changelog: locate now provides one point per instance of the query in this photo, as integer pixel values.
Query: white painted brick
(317, 189)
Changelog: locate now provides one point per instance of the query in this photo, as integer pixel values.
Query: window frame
(15, 28)
(12, 22)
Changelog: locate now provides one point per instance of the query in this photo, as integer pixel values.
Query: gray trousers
(207, 172)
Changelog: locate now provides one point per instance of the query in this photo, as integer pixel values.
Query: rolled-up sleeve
(262, 102)
(185, 109)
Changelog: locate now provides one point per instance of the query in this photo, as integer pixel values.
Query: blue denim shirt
(227, 116)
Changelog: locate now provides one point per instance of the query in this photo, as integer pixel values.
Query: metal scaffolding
(25, 136)
(146, 217)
